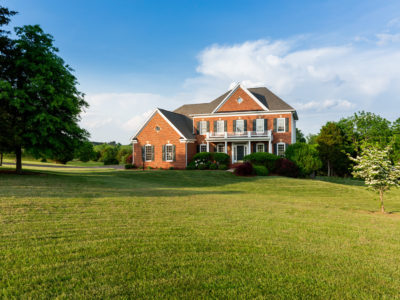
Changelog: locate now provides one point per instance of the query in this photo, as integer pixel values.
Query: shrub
(43, 160)
(222, 167)
(85, 152)
(123, 152)
(191, 166)
(130, 166)
(245, 169)
(305, 156)
(171, 168)
(221, 158)
(129, 158)
(260, 170)
(111, 161)
(285, 167)
(265, 159)
(213, 166)
(202, 166)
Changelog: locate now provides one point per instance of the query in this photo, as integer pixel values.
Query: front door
(239, 152)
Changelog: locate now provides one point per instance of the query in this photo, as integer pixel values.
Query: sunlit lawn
(194, 234)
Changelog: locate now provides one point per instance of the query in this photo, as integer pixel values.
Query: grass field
(194, 234)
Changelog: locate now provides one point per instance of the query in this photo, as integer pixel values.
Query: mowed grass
(194, 234)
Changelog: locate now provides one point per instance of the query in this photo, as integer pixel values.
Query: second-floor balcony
(239, 135)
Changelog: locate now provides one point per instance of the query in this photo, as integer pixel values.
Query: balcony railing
(238, 134)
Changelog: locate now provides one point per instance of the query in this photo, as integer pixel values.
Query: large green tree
(332, 149)
(41, 99)
(305, 156)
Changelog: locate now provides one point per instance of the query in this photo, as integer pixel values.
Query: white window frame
(203, 145)
(261, 126)
(284, 124)
(166, 152)
(220, 126)
(242, 127)
(260, 144)
(203, 127)
(146, 152)
(277, 149)
(223, 148)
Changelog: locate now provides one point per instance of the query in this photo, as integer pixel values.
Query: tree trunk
(18, 157)
(329, 168)
(381, 197)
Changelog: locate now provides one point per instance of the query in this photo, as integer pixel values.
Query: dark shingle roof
(264, 95)
(181, 122)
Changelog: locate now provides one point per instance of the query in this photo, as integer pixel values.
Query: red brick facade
(247, 103)
(159, 131)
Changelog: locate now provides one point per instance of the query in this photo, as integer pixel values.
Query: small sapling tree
(378, 171)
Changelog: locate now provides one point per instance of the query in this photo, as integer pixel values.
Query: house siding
(167, 135)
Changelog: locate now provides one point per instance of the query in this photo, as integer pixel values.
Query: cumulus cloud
(322, 83)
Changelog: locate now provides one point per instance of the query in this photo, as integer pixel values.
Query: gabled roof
(181, 123)
(271, 101)
(239, 86)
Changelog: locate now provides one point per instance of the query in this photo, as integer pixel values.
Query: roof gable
(240, 99)
(180, 123)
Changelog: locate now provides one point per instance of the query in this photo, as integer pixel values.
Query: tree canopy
(39, 99)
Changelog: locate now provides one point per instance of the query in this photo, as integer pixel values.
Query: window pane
(221, 148)
(220, 126)
(260, 125)
(148, 153)
(203, 148)
(168, 152)
(281, 125)
(281, 149)
(260, 148)
(240, 125)
(203, 127)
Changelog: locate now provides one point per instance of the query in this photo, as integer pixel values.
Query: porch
(239, 144)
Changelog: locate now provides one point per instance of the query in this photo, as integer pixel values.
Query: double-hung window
(281, 124)
(220, 126)
(260, 125)
(169, 153)
(281, 147)
(203, 127)
(148, 153)
(221, 148)
(203, 148)
(260, 147)
(239, 126)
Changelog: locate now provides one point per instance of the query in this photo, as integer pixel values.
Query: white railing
(238, 134)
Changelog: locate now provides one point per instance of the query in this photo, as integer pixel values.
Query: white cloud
(322, 83)
(386, 38)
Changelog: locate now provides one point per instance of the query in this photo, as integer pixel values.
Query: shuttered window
(203, 127)
(281, 124)
(203, 148)
(239, 126)
(260, 148)
(221, 148)
(260, 125)
(281, 149)
(169, 153)
(220, 126)
(148, 153)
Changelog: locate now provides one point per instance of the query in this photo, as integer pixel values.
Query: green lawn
(194, 234)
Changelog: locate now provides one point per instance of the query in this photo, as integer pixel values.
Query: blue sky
(328, 59)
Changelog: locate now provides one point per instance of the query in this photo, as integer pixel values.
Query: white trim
(145, 152)
(166, 160)
(260, 144)
(277, 125)
(239, 85)
(238, 114)
(165, 118)
(277, 148)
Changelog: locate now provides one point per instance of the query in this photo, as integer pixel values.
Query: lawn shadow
(341, 180)
(113, 183)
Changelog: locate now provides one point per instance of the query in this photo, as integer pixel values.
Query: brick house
(239, 122)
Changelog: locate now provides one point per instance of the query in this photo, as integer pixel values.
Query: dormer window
(239, 100)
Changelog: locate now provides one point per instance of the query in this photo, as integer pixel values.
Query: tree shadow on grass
(118, 184)
(341, 180)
